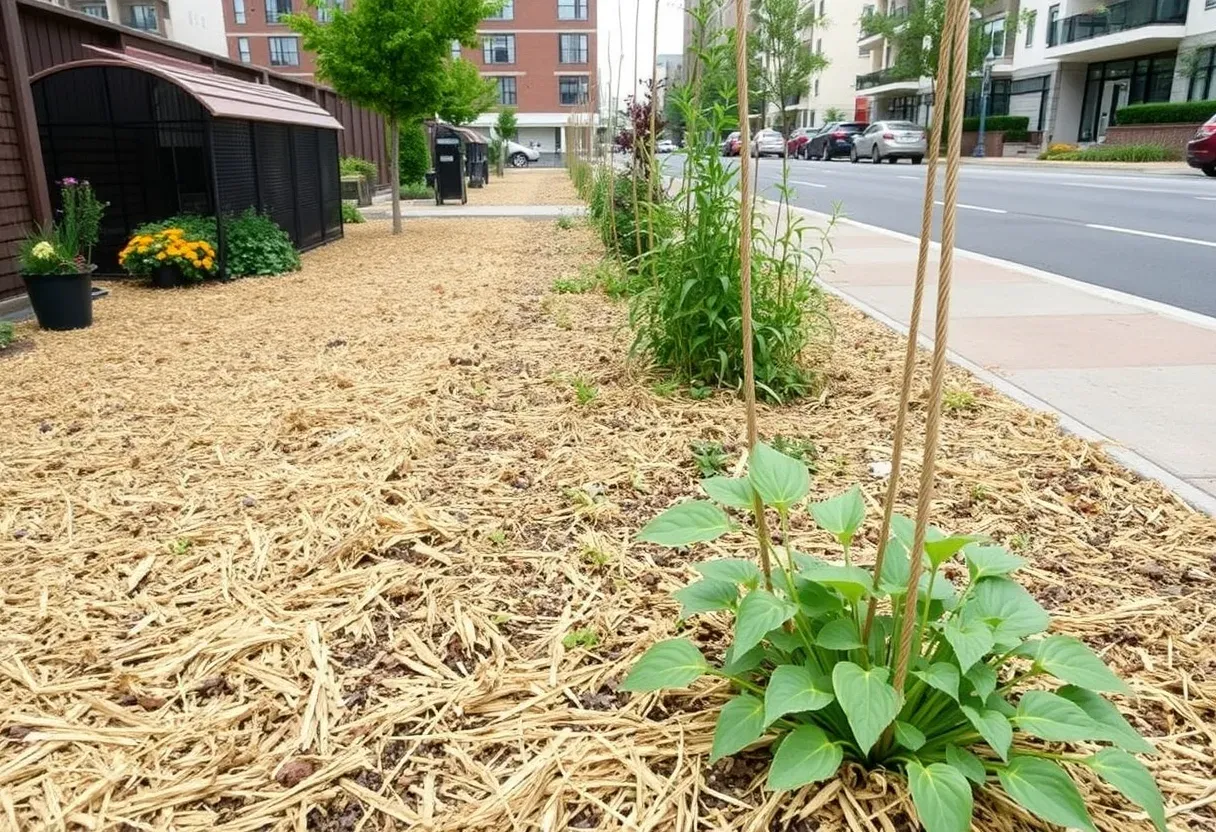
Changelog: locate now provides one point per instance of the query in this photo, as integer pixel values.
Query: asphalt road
(1153, 236)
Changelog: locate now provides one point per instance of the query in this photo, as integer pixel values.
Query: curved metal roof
(221, 96)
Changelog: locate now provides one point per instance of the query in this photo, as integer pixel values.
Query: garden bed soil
(526, 186)
(300, 553)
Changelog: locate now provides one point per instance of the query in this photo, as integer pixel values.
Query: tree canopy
(907, 36)
(465, 95)
(782, 63)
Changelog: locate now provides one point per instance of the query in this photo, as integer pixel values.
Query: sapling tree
(391, 56)
(782, 63)
(465, 94)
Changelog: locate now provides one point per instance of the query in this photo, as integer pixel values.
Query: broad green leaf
(780, 480)
(735, 492)
(942, 797)
(1070, 660)
(740, 723)
(881, 630)
(970, 638)
(784, 640)
(794, 688)
(694, 521)
(806, 755)
(706, 595)
(868, 700)
(908, 735)
(904, 529)
(816, 600)
(1052, 717)
(850, 581)
(982, 679)
(1008, 608)
(940, 675)
(993, 727)
(839, 634)
(732, 570)
(941, 550)
(1132, 779)
(990, 561)
(1046, 790)
(1112, 727)
(893, 579)
(759, 612)
(841, 515)
(738, 664)
(967, 763)
(996, 702)
(675, 663)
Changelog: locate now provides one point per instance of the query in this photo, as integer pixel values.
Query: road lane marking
(975, 207)
(811, 184)
(1125, 188)
(917, 178)
(1206, 198)
(1153, 234)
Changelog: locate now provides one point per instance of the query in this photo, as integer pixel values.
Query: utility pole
(985, 87)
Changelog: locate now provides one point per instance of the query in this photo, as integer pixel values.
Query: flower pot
(61, 301)
(167, 277)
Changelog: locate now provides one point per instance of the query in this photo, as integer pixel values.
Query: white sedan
(519, 156)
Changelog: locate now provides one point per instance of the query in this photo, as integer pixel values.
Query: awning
(220, 95)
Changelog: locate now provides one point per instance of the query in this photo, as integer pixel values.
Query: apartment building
(195, 23)
(256, 33)
(542, 56)
(1067, 65)
(836, 39)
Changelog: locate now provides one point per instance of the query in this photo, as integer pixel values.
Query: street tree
(466, 95)
(782, 62)
(389, 56)
(916, 37)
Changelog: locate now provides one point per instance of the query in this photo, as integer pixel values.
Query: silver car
(890, 141)
(768, 143)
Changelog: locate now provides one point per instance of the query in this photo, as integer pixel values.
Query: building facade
(198, 24)
(542, 56)
(256, 34)
(836, 39)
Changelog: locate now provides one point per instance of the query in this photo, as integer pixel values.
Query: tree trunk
(394, 138)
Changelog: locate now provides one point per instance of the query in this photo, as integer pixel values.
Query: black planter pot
(167, 277)
(61, 301)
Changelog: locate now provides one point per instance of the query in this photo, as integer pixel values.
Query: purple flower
(67, 180)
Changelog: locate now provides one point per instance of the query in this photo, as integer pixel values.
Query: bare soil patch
(526, 186)
(300, 553)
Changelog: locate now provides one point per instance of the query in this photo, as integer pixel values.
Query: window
(507, 91)
(821, 8)
(507, 12)
(242, 50)
(238, 10)
(863, 53)
(1053, 22)
(325, 10)
(276, 9)
(571, 9)
(994, 37)
(572, 90)
(96, 10)
(816, 87)
(284, 52)
(143, 17)
(819, 46)
(1030, 21)
(1203, 82)
(572, 49)
(455, 50)
(498, 49)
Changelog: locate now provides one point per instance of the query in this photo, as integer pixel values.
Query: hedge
(998, 124)
(1168, 112)
(1111, 153)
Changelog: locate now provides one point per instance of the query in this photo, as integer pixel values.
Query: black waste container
(449, 170)
(476, 161)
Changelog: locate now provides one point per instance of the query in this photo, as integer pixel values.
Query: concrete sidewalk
(1134, 374)
(1032, 163)
(415, 209)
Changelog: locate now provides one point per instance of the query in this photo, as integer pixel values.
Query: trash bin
(449, 170)
(476, 160)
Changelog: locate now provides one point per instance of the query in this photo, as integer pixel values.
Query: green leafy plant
(416, 190)
(574, 285)
(565, 222)
(498, 537)
(351, 213)
(976, 698)
(799, 448)
(700, 392)
(193, 257)
(1115, 153)
(255, 243)
(665, 389)
(956, 401)
(7, 334)
(586, 638)
(65, 246)
(181, 546)
(43, 252)
(710, 457)
(584, 391)
(415, 156)
(355, 166)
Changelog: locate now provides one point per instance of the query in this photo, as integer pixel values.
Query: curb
(1195, 497)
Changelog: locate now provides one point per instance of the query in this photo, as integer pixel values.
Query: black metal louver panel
(275, 175)
(331, 194)
(308, 186)
(234, 169)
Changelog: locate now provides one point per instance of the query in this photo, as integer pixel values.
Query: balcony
(886, 80)
(1121, 30)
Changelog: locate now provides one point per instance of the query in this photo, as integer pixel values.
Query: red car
(1201, 150)
(797, 139)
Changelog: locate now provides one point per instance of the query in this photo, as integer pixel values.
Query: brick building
(542, 55)
(255, 35)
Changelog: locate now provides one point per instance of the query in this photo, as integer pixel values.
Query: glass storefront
(1116, 84)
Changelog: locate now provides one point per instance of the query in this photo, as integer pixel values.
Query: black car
(834, 139)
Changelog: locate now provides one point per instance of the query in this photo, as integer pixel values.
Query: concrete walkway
(414, 209)
(1134, 374)
(1023, 162)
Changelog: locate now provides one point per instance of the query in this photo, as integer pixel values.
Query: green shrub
(954, 687)
(1115, 153)
(354, 166)
(998, 124)
(6, 334)
(255, 244)
(351, 213)
(417, 190)
(415, 154)
(1166, 112)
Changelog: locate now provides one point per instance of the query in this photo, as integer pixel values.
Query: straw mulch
(526, 186)
(300, 554)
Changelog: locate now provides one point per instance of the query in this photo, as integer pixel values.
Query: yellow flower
(207, 263)
(198, 264)
(160, 256)
(143, 249)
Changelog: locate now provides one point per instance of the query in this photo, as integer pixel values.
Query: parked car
(768, 143)
(798, 140)
(890, 140)
(1201, 150)
(835, 139)
(664, 146)
(519, 156)
(730, 145)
